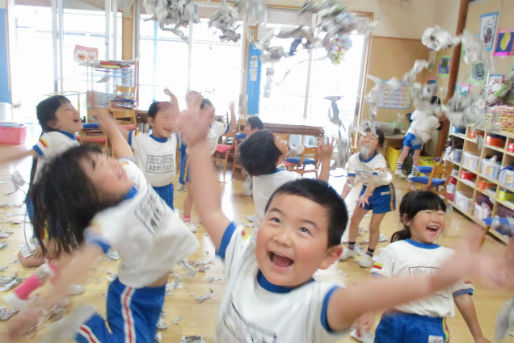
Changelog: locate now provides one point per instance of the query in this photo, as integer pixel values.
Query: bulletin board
(476, 9)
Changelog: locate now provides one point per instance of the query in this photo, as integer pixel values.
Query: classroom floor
(183, 315)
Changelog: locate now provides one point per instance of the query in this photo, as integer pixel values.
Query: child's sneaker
(66, 328)
(347, 253)
(16, 302)
(399, 173)
(180, 187)
(366, 261)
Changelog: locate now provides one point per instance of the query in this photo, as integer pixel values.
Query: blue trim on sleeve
(95, 239)
(228, 128)
(225, 240)
(324, 318)
(130, 133)
(38, 151)
(463, 291)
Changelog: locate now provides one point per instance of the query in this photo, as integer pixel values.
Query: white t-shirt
(155, 156)
(410, 258)
(265, 185)
(216, 130)
(423, 124)
(50, 145)
(254, 310)
(362, 169)
(148, 236)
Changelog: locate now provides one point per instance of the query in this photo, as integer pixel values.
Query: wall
(505, 9)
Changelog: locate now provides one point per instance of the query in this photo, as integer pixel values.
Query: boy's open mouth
(280, 261)
(432, 228)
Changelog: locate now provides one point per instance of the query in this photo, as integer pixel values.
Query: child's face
(163, 124)
(292, 241)
(107, 176)
(426, 226)
(369, 142)
(67, 119)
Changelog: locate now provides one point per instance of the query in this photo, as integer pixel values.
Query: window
(214, 66)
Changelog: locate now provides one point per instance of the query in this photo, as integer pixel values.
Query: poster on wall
(509, 98)
(488, 28)
(504, 42)
(443, 69)
(477, 73)
(398, 98)
(462, 88)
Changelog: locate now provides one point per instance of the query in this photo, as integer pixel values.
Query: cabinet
(482, 183)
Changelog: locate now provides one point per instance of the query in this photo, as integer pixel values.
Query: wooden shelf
(458, 135)
(497, 235)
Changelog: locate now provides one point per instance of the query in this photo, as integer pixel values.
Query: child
(270, 294)
(419, 133)
(117, 208)
(413, 252)
(261, 153)
(59, 122)
(155, 153)
(215, 131)
(377, 193)
(252, 125)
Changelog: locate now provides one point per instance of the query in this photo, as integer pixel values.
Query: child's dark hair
(46, 109)
(259, 154)
(411, 204)
(65, 200)
(435, 100)
(255, 122)
(205, 102)
(321, 193)
(154, 108)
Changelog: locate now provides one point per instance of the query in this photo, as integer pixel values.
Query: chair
(92, 134)
(122, 106)
(226, 148)
(309, 157)
(435, 179)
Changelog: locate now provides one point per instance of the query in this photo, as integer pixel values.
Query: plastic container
(12, 133)
(455, 129)
(456, 155)
(495, 140)
(505, 195)
(506, 176)
(490, 169)
(483, 185)
(510, 147)
(463, 202)
(466, 175)
(470, 161)
(481, 211)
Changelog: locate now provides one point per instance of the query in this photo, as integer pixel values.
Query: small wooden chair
(436, 178)
(309, 157)
(122, 106)
(225, 149)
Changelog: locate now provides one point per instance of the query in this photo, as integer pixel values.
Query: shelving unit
(103, 77)
(478, 177)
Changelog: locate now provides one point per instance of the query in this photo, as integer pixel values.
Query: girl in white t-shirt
(89, 199)
(413, 252)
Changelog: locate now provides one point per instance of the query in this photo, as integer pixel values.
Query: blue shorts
(166, 193)
(382, 200)
(411, 141)
(132, 316)
(399, 327)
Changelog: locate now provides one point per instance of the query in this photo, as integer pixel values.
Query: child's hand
(326, 149)
(363, 323)
(167, 92)
(193, 125)
(91, 99)
(193, 99)
(482, 340)
(363, 200)
(232, 108)
(24, 323)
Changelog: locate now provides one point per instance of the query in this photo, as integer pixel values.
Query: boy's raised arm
(347, 304)
(193, 126)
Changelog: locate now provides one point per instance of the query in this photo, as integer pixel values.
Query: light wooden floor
(199, 318)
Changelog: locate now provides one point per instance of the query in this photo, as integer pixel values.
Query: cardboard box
(12, 133)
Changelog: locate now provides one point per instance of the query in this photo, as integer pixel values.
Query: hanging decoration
(172, 15)
(225, 20)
